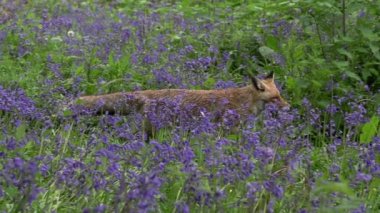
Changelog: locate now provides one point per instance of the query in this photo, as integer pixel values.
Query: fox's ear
(257, 84)
(270, 75)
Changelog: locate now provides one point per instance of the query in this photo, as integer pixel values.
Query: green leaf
(266, 52)
(291, 83)
(342, 65)
(325, 4)
(67, 112)
(175, 37)
(316, 84)
(369, 34)
(347, 204)
(20, 132)
(204, 184)
(352, 75)
(369, 130)
(375, 50)
(326, 187)
(272, 42)
(11, 191)
(323, 103)
(209, 83)
(345, 52)
(254, 8)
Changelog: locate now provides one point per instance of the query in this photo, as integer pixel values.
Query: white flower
(71, 33)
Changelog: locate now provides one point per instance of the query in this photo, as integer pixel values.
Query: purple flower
(143, 191)
(225, 84)
(230, 119)
(114, 169)
(182, 207)
(273, 188)
(361, 209)
(203, 197)
(213, 49)
(363, 177)
(186, 50)
(11, 143)
(71, 174)
(34, 192)
(279, 59)
(162, 152)
(270, 205)
(253, 189)
(332, 109)
(15, 101)
(21, 174)
(3, 35)
(125, 35)
(264, 154)
(235, 167)
(202, 63)
(164, 77)
(219, 194)
(151, 58)
(1, 192)
(226, 56)
(187, 154)
(361, 14)
(357, 116)
(99, 209)
(44, 169)
(282, 28)
(334, 169)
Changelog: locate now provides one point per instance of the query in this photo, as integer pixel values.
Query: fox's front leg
(148, 130)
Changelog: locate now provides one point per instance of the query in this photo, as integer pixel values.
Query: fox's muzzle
(283, 104)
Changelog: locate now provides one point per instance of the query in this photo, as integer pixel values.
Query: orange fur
(245, 100)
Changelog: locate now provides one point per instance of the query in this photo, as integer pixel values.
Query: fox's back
(239, 99)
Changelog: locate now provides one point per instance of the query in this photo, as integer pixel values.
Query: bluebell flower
(363, 177)
(182, 207)
(273, 188)
(264, 154)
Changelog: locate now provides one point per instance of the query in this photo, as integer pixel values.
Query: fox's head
(267, 90)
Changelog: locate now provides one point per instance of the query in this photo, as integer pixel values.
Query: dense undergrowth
(322, 155)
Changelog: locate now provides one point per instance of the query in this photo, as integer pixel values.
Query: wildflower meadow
(322, 154)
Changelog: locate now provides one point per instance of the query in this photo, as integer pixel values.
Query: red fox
(246, 100)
